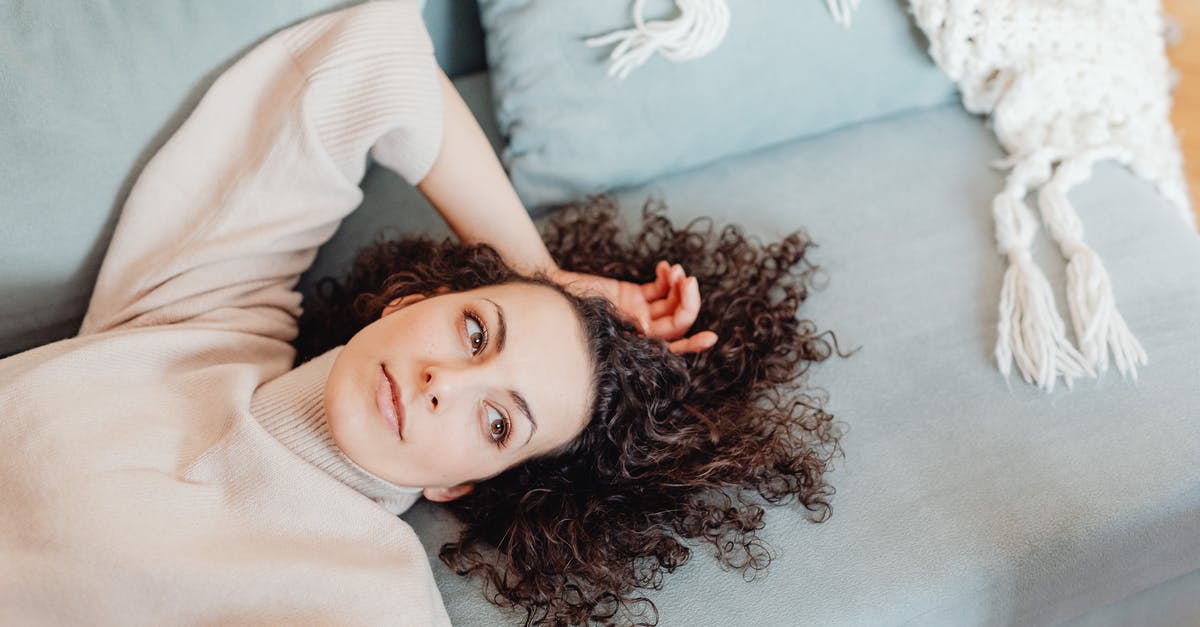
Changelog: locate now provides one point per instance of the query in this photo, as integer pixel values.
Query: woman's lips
(387, 399)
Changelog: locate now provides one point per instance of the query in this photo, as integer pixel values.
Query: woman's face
(452, 389)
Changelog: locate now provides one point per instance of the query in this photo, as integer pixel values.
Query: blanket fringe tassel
(1098, 325)
(1030, 331)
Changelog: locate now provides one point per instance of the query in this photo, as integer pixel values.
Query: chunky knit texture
(168, 466)
(1065, 84)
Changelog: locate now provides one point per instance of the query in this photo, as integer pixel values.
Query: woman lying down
(172, 464)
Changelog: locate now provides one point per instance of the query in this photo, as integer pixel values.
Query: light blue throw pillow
(785, 70)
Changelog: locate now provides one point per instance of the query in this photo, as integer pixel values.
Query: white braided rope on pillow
(1066, 84)
(699, 29)
(842, 10)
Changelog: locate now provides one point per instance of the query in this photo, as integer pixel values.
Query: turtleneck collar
(291, 408)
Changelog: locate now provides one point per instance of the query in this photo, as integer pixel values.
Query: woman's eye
(497, 425)
(476, 334)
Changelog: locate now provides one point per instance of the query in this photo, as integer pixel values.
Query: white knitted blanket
(1065, 84)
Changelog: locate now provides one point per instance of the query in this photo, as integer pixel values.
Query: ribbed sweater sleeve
(224, 219)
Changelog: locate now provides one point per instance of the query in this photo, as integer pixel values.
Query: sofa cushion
(963, 498)
(90, 92)
(785, 70)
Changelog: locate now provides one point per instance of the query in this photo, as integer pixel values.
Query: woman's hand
(664, 308)
(469, 187)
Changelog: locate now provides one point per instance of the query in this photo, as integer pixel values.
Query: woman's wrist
(586, 285)
(560, 276)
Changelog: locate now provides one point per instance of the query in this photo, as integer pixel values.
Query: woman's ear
(401, 303)
(442, 495)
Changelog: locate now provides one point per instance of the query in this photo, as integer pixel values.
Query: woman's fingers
(672, 306)
(669, 301)
(662, 314)
(675, 320)
(666, 306)
(662, 282)
(689, 303)
(703, 340)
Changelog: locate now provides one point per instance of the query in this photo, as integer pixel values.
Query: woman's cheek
(454, 455)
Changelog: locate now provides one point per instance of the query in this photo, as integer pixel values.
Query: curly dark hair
(677, 447)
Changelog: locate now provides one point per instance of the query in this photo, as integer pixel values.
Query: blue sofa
(963, 498)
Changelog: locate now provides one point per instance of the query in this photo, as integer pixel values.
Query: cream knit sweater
(167, 466)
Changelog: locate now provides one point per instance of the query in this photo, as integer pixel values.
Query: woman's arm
(469, 187)
(232, 209)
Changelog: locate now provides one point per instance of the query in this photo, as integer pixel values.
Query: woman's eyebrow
(523, 405)
(517, 397)
(501, 326)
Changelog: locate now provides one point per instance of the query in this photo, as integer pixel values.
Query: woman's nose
(442, 385)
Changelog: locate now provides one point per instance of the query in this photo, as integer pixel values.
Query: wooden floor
(1185, 57)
